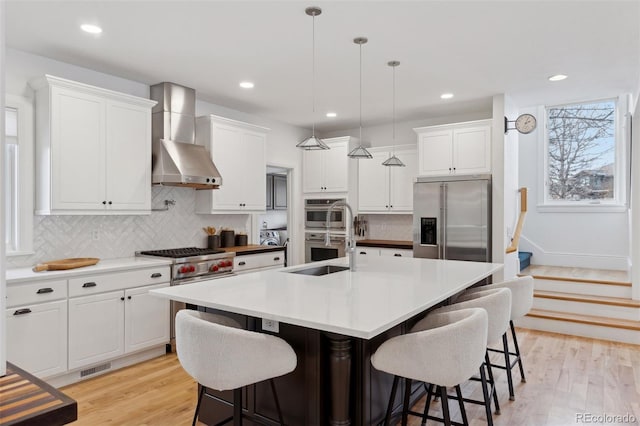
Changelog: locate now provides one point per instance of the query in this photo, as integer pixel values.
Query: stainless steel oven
(315, 248)
(315, 214)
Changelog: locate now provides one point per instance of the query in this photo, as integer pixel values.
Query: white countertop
(383, 292)
(18, 275)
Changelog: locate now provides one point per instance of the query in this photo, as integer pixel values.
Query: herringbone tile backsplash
(59, 237)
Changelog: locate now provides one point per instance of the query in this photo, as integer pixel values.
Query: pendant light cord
(360, 142)
(394, 111)
(313, 77)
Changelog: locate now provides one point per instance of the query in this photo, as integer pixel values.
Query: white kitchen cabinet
(383, 251)
(37, 337)
(145, 318)
(239, 152)
(258, 261)
(327, 170)
(367, 251)
(93, 149)
(383, 189)
(461, 148)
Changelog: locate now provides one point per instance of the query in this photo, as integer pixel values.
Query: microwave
(315, 214)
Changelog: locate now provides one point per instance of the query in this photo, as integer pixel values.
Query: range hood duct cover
(176, 159)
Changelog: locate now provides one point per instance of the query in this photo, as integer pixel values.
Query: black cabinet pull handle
(156, 275)
(276, 258)
(44, 290)
(122, 298)
(87, 285)
(22, 311)
(363, 252)
(242, 263)
(129, 297)
(397, 255)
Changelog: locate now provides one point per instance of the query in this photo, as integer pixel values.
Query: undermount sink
(321, 270)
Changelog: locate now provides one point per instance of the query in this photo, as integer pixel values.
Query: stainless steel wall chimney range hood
(176, 159)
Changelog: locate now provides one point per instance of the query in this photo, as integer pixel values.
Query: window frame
(621, 138)
(25, 175)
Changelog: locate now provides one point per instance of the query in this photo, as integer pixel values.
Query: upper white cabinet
(93, 149)
(461, 148)
(239, 152)
(327, 170)
(383, 189)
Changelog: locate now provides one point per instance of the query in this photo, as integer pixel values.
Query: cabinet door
(312, 171)
(401, 182)
(37, 337)
(373, 184)
(367, 251)
(472, 150)
(229, 156)
(435, 153)
(128, 157)
(269, 204)
(96, 328)
(252, 172)
(77, 150)
(396, 252)
(146, 318)
(279, 192)
(336, 168)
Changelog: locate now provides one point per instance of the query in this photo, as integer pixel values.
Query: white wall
(589, 240)
(511, 198)
(120, 236)
(635, 210)
(3, 346)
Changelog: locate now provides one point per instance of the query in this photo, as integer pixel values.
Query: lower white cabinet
(106, 325)
(37, 337)
(383, 251)
(258, 261)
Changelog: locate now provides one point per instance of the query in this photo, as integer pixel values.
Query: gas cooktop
(177, 253)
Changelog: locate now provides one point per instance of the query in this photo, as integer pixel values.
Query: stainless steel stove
(195, 264)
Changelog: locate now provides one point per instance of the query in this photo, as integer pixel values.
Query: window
(584, 155)
(17, 176)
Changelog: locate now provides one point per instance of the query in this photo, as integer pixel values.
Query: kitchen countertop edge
(397, 244)
(252, 249)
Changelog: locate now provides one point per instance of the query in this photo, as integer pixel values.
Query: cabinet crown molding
(419, 130)
(237, 123)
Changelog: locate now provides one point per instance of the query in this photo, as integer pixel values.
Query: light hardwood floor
(567, 376)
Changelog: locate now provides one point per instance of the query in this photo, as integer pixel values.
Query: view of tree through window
(581, 151)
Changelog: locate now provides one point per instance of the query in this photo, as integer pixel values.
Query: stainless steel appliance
(452, 218)
(192, 264)
(315, 248)
(315, 214)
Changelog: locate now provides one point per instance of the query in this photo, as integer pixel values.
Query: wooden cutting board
(71, 263)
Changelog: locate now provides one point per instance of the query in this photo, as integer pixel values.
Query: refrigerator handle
(443, 221)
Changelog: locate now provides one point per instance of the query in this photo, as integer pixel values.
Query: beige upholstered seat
(447, 350)
(220, 355)
(521, 302)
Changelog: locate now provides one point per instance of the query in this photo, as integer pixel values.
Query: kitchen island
(334, 323)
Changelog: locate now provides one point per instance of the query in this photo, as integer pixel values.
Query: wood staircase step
(601, 300)
(580, 275)
(585, 319)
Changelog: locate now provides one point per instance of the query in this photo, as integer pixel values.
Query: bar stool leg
(487, 398)
(275, 397)
(507, 363)
(463, 412)
(195, 415)
(492, 381)
(392, 398)
(427, 405)
(405, 403)
(515, 344)
(445, 405)
(237, 407)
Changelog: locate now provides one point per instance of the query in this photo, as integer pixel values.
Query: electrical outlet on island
(270, 325)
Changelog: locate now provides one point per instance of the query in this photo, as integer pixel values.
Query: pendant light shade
(394, 161)
(360, 151)
(313, 142)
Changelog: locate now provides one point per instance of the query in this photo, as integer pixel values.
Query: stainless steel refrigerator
(452, 218)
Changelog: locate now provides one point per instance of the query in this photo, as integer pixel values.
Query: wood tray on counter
(62, 264)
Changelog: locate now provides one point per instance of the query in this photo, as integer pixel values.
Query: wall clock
(525, 124)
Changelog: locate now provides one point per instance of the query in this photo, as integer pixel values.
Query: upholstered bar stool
(220, 355)
(497, 303)
(448, 349)
(521, 302)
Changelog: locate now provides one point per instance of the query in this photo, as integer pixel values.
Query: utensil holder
(213, 241)
(227, 238)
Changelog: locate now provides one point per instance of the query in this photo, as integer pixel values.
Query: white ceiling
(474, 49)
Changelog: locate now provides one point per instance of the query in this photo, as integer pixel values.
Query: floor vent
(94, 370)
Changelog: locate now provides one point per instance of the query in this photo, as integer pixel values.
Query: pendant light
(313, 142)
(360, 151)
(393, 160)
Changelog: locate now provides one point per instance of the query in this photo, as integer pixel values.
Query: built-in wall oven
(315, 213)
(316, 249)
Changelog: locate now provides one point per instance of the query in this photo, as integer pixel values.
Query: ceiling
(474, 49)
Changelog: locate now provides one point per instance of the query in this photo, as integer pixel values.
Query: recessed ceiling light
(332, 114)
(557, 77)
(91, 29)
(446, 96)
(246, 85)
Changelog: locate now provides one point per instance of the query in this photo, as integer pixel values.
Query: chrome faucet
(351, 241)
